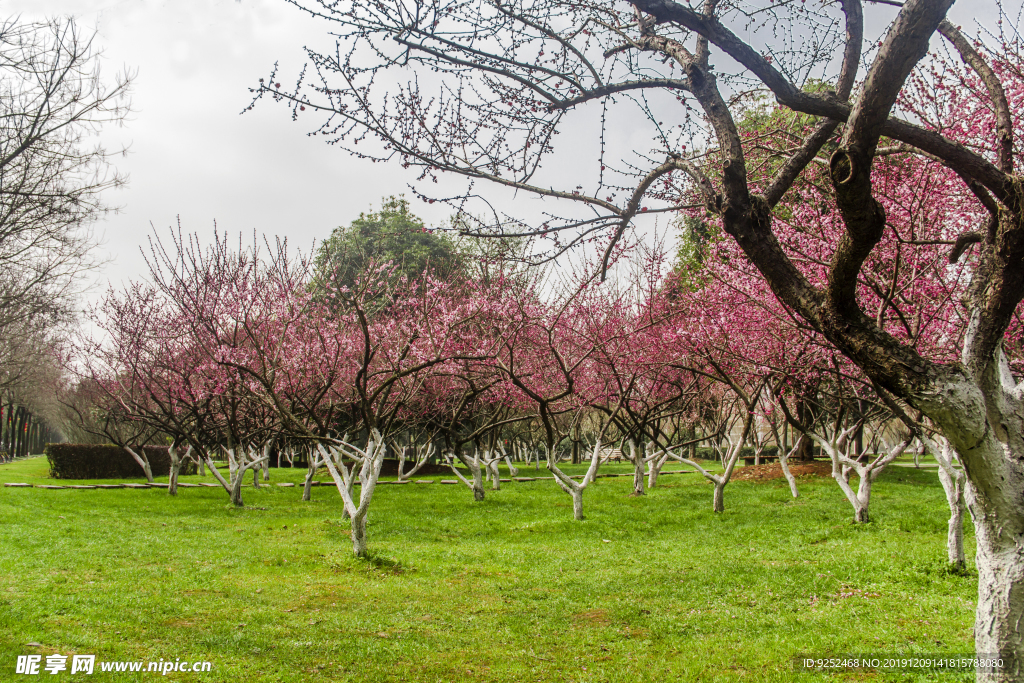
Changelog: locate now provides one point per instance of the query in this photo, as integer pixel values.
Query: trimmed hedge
(705, 453)
(106, 461)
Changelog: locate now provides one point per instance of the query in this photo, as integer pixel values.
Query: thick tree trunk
(577, 504)
(236, 491)
(983, 419)
(172, 482)
(999, 620)
(476, 485)
(307, 485)
(718, 502)
(864, 496)
(638, 469)
(359, 534)
(478, 482)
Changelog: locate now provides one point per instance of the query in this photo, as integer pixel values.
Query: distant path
(182, 485)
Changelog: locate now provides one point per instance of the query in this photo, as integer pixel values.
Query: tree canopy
(392, 234)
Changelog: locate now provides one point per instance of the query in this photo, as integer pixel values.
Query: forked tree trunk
(638, 469)
(140, 457)
(473, 465)
(236, 497)
(843, 467)
(573, 488)
(366, 469)
(720, 481)
(239, 463)
(655, 463)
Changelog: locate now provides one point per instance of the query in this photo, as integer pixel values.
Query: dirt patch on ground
(595, 617)
(818, 468)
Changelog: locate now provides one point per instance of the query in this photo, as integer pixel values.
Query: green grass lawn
(655, 588)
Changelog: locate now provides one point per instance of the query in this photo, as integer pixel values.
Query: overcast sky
(191, 152)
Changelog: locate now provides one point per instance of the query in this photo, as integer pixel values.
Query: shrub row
(705, 453)
(105, 461)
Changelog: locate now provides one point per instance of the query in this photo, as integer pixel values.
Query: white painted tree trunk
(718, 500)
(369, 462)
(572, 487)
(236, 490)
(240, 461)
(236, 500)
(953, 485)
(512, 470)
(312, 463)
(638, 469)
(731, 455)
(423, 454)
(401, 462)
(999, 619)
(655, 462)
(358, 528)
(843, 466)
(491, 459)
(141, 458)
(982, 416)
(172, 479)
(953, 481)
(267, 449)
(473, 465)
(784, 463)
(577, 504)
